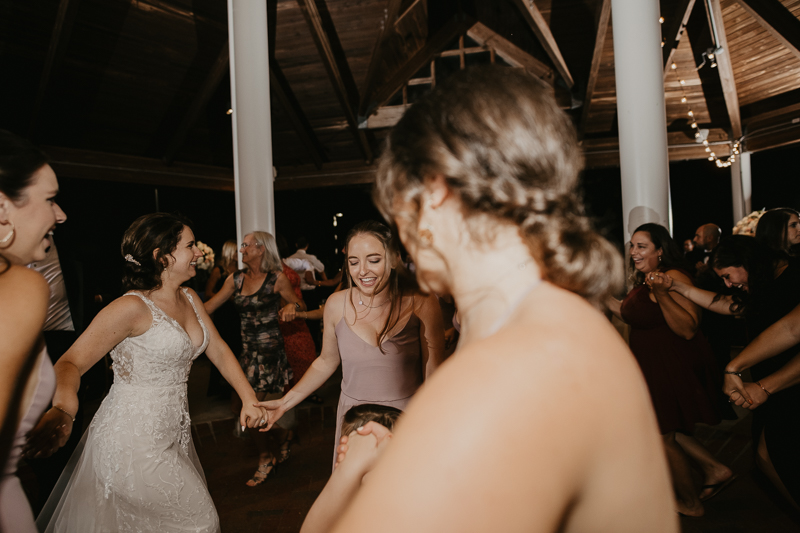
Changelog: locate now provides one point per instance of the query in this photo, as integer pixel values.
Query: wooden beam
(511, 53)
(454, 27)
(392, 10)
(55, 52)
(604, 152)
(774, 137)
(777, 20)
(210, 84)
(327, 41)
(280, 87)
(725, 68)
(604, 14)
(539, 26)
(674, 31)
(343, 173)
(87, 164)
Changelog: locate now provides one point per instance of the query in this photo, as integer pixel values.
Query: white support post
(747, 183)
(741, 187)
(641, 111)
(252, 126)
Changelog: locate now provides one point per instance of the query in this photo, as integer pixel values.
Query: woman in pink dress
(28, 214)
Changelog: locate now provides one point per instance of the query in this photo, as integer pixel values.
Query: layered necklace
(361, 302)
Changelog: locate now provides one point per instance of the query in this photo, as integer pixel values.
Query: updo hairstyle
(156, 231)
(359, 415)
(506, 152)
(671, 255)
(772, 229)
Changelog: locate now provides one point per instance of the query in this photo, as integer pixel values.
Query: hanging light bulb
(661, 20)
(674, 66)
(683, 100)
(683, 82)
(691, 113)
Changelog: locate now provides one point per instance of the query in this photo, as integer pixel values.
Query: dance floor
(280, 504)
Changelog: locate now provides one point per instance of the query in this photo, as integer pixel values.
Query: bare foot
(715, 481)
(693, 511)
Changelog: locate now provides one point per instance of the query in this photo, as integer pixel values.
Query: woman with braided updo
(540, 421)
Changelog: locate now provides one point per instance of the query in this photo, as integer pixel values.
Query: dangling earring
(659, 258)
(5, 240)
(426, 235)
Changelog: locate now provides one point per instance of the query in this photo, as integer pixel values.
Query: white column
(252, 127)
(747, 184)
(643, 152)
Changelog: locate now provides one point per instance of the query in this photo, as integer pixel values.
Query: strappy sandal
(286, 446)
(263, 471)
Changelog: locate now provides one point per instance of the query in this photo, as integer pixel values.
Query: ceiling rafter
(777, 20)
(199, 103)
(511, 53)
(674, 31)
(453, 28)
(540, 27)
(326, 39)
(55, 53)
(392, 11)
(603, 20)
(725, 68)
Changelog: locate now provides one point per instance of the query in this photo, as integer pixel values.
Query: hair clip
(129, 258)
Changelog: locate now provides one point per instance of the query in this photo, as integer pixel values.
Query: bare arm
(681, 314)
(431, 333)
(127, 316)
(703, 298)
(221, 355)
(615, 306)
(221, 297)
(320, 370)
(25, 297)
(284, 287)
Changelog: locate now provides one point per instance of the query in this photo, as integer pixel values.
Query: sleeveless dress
(681, 374)
(263, 358)
(136, 469)
(15, 511)
(300, 349)
(370, 376)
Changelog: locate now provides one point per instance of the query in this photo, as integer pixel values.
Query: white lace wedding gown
(136, 469)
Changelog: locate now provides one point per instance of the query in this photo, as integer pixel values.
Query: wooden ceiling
(138, 90)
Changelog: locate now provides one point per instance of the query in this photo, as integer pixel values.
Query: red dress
(299, 345)
(681, 374)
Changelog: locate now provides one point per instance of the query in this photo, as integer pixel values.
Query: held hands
(363, 447)
(273, 411)
(287, 313)
(659, 282)
(747, 395)
(50, 434)
(253, 416)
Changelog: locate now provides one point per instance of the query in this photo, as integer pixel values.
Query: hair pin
(129, 258)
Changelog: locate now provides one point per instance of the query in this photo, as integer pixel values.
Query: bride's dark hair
(145, 247)
(507, 152)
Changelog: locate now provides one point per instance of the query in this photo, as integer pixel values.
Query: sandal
(264, 470)
(286, 446)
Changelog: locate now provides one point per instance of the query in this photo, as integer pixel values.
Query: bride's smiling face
(183, 259)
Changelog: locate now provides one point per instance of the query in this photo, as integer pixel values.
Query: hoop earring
(8, 238)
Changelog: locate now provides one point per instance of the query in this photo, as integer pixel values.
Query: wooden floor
(280, 504)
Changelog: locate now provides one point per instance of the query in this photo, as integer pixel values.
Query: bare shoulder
(129, 310)
(680, 276)
(25, 296)
(334, 305)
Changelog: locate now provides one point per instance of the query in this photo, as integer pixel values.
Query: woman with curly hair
(540, 421)
(136, 467)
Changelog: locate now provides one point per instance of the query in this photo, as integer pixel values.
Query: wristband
(73, 418)
(733, 373)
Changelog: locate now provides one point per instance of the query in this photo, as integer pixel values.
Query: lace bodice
(162, 355)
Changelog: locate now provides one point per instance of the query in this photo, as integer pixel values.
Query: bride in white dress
(136, 468)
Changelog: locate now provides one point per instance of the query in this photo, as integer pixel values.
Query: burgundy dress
(300, 349)
(681, 374)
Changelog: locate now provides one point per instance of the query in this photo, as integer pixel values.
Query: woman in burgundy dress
(676, 361)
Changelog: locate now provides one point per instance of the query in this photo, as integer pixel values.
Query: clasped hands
(658, 281)
(744, 394)
(50, 433)
(359, 451)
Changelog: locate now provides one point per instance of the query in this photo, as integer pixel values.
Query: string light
(697, 135)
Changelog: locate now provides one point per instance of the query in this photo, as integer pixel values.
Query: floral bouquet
(207, 261)
(747, 226)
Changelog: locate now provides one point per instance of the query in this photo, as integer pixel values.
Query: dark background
(99, 212)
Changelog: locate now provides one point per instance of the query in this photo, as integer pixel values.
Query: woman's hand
(749, 396)
(362, 448)
(273, 411)
(253, 416)
(50, 434)
(287, 313)
(659, 282)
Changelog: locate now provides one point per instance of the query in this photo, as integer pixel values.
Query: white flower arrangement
(747, 226)
(207, 261)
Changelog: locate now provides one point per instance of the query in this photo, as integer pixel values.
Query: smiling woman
(136, 465)
(387, 336)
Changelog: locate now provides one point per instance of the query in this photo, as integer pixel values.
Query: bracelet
(762, 388)
(734, 373)
(73, 418)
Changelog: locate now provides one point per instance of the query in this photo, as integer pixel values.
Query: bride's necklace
(361, 302)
